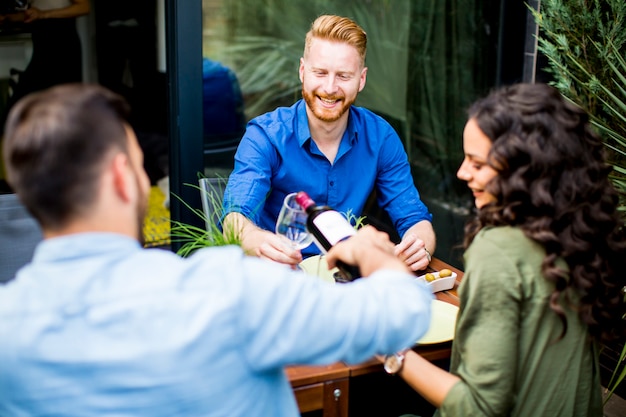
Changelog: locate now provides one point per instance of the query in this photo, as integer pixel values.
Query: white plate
(316, 265)
(442, 323)
(439, 284)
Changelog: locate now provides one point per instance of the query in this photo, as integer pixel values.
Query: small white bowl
(439, 284)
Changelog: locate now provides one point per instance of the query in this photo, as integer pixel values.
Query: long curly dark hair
(553, 184)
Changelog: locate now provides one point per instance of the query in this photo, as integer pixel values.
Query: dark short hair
(56, 143)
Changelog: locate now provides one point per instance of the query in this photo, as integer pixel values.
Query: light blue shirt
(98, 326)
(277, 156)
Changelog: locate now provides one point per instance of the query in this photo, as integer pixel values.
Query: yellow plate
(442, 323)
(316, 265)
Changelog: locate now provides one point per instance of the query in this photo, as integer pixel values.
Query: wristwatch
(395, 362)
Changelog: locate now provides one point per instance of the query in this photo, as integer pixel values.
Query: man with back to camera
(336, 152)
(97, 325)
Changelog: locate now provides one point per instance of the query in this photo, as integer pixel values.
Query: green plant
(193, 237)
(585, 44)
(356, 221)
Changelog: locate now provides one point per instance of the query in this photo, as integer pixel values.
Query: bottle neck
(304, 201)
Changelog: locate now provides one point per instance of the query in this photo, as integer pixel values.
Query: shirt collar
(351, 129)
(303, 132)
(84, 245)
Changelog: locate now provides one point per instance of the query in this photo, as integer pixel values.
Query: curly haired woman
(544, 259)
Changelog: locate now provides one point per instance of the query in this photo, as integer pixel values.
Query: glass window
(427, 62)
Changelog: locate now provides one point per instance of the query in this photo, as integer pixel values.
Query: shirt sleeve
(292, 318)
(250, 181)
(485, 351)
(397, 193)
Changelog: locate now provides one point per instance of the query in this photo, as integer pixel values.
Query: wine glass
(291, 223)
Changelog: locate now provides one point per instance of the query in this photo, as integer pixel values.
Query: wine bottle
(328, 227)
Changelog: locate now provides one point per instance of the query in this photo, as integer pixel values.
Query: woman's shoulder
(507, 241)
(503, 255)
(504, 235)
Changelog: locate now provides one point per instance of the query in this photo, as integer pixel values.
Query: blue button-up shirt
(277, 156)
(98, 326)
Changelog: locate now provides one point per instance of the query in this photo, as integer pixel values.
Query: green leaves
(585, 43)
(194, 238)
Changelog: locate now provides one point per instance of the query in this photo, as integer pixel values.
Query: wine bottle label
(334, 226)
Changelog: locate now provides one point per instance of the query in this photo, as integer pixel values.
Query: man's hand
(272, 246)
(262, 243)
(369, 249)
(412, 250)
(417, 245)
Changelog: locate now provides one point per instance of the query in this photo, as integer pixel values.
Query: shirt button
(332, 183)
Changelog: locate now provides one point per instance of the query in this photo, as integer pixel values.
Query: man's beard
(323, 114)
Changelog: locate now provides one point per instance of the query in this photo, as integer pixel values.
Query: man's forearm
(250, 234)
(236, 224)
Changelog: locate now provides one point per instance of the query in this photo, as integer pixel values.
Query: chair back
(212, 195)
(19, 234)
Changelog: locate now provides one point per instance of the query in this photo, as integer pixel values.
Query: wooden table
(326, 388)
(321, 388)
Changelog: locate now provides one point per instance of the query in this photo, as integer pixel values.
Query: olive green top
(507, 350)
